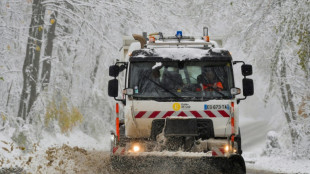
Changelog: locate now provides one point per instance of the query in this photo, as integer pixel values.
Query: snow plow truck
(178, 107)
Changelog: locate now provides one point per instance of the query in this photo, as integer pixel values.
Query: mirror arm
(235, 62)
(122, 67)
(121, 100)
(239, 99)
(123, 64)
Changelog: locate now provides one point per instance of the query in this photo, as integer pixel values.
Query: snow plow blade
(177, 164)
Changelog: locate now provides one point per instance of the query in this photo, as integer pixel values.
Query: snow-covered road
(254, 135)
(79, 153)
(71, 160)
(255, 171)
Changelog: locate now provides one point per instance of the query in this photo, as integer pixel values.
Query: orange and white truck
(178, 105)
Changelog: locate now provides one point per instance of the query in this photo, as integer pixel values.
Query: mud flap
(177, 164)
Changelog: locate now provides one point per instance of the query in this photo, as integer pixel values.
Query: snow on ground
(276, 164)
(79, 153)
(254, 132)
(75, 153)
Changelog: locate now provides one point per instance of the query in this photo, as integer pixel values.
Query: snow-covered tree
(71, 44)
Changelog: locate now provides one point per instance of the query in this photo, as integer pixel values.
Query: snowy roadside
(254, 144)
(77, 153)
(277, 164)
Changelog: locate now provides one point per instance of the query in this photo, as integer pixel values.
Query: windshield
(181, 80)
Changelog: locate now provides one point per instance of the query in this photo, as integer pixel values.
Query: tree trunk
(94, 73)
(46, 66)
(32, 59)
(287, 100)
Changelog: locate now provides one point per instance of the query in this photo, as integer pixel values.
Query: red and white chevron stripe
(218, 151)
(197, 114)
(119, 150)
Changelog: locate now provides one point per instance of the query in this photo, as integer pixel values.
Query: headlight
(226, 148)
(136, 147)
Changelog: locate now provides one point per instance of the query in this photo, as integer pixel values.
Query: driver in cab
(208, 81)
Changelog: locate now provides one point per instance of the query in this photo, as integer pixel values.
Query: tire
(237, 164)
(237, 168)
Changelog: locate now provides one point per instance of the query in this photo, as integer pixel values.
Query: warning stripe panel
(168, 114)
(154, 114)
(140, 114)
(223, 113)
(123, 151)
(210, 114)
(197, 114)
(115, 149)
(119, 150)
(218, 151)
(182, 114)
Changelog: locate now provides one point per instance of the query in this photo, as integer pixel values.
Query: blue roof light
(179, 34)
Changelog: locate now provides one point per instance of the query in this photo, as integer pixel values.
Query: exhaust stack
(140, 38)
(206, 34)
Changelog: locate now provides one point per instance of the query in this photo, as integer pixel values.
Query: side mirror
(248, 87)
(113, 88)
(113, 71)
(246, 69)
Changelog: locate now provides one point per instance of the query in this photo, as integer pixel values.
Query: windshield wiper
(167, 90)
(218, 91)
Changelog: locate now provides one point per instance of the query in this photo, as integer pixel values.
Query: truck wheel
(237, 164)
(237, 168)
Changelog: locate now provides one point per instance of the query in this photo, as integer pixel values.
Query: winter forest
(55, 55)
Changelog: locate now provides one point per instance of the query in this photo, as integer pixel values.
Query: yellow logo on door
(176, 106)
